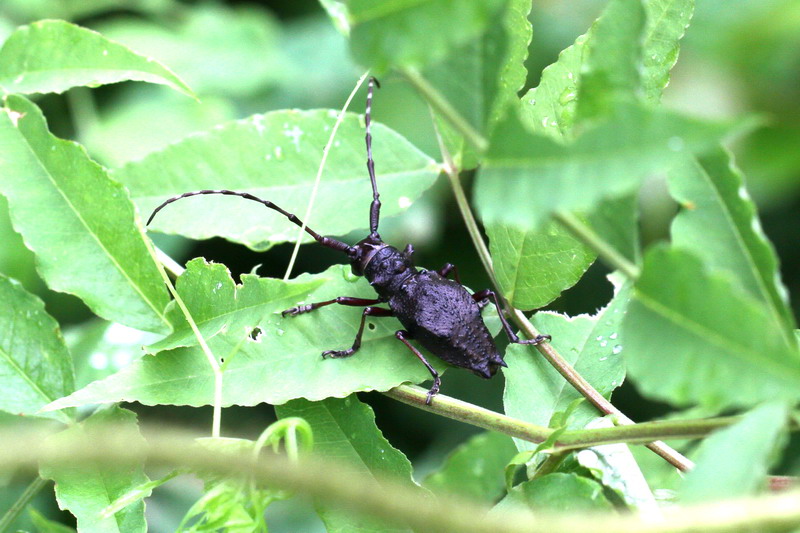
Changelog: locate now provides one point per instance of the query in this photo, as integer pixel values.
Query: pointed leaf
(693, 336)
(474, 470)
(534, 267)
(535, 391)
(720, 224)
(35, 365)
(397, 33)
(86, 490)
(345, 431)
(96, 250)
(54, 55)
(527, 177)
(275, 157)
(280, 363)
(734, 462)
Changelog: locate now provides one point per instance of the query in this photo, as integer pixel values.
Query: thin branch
(16, 508)
(606, 252)
(313, 197)
(392, 500)
(447, 111)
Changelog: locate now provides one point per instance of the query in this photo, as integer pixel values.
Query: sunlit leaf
(281, 361)
(35, 365)
(54, 55)
(95, 250)
(276, 157)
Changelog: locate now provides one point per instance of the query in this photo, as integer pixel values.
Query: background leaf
(95, 251)
(733, 462)
(718, 346)
(345, 429)
(35, 365)
(282, 363)
(275, 157)
(86, 491)
(53, 55)
(395, 33)
(555, 492)
(474, 470)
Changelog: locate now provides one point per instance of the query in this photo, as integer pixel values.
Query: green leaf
(96, 251)
(281, 362)
(86, 490)
(616, 221)
(534, 267)
(611, 70)
(554, 493)
(345, 431)
(527, 177)
(474, 470)
(734, 462)
(216, 302)
(45, 525)
(396, 33)
(667, 21)
(694, 337)
(53, 55)
(482, 78)
(35, 365)
(218, 50)
(275, 157)
(719, 224)
(535, 391)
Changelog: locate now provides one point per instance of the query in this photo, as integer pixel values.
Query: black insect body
(436, 311)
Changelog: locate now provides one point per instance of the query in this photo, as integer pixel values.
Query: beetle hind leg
(368, 311)
(487, 294)
(403, 336)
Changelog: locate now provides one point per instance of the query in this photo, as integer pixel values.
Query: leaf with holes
(693, 336)
(345, 431)
(592, 345)
(276, 157)
(50, 56)
(96, 250)
(281, 363)
(35, 365)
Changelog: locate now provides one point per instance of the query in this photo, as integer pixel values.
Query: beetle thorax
(387, 268)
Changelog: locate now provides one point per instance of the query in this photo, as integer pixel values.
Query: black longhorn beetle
(437, 312)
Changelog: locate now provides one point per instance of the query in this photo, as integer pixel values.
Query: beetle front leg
(369, 311)
(341, 300)
(403, 336)
(513, 337)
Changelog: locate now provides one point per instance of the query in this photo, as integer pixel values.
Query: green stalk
(27, 495)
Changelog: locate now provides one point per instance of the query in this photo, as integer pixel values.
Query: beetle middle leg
(368, 311)
(403, 336)
(513, 337)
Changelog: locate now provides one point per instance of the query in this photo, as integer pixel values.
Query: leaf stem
(443, 107)
(315, 188)
(607, 253)
(16, 508)
(216, 417)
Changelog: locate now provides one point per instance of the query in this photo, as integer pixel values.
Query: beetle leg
(513, 337)
(341, 300)
(368, 311)
(446, 269)
(403, 336)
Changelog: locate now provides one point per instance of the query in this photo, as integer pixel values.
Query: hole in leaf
(370, 325)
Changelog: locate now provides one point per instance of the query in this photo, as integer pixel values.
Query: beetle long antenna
(375, 207)
(324, 241)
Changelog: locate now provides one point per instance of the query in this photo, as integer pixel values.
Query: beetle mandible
(436, 311)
